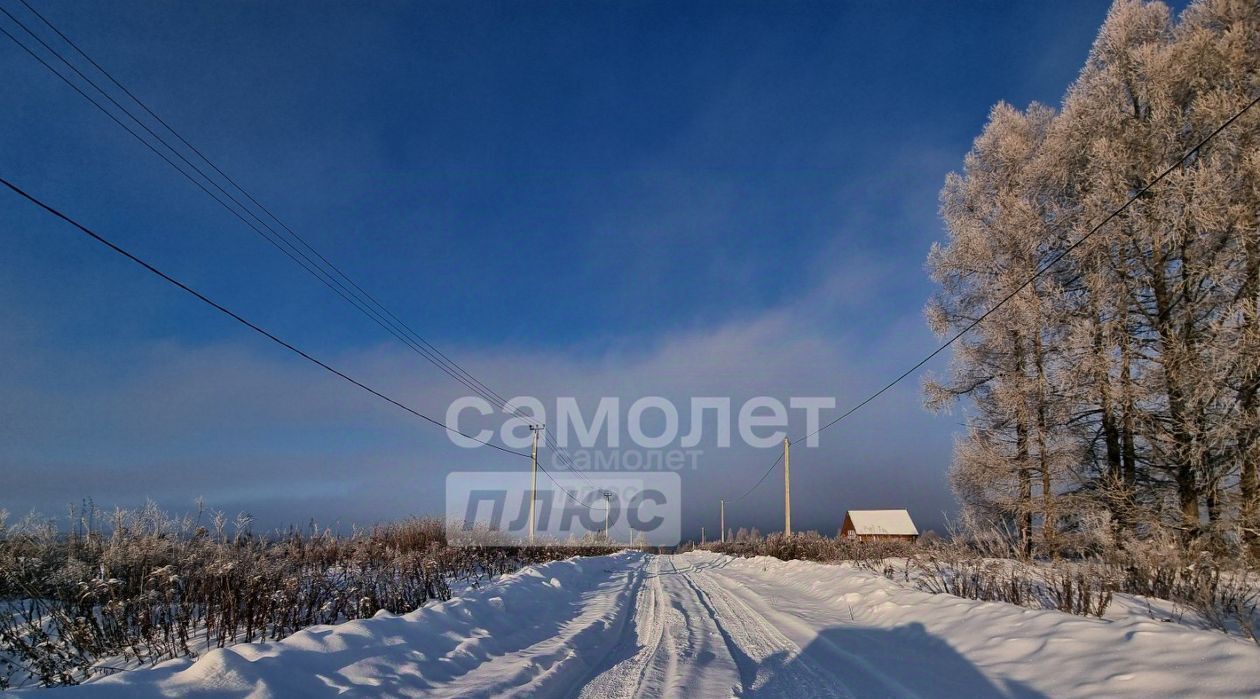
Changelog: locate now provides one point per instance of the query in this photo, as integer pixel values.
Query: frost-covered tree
(1127, 376)
(1006, 365)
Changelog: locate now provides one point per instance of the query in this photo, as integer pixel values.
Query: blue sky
(570, 198)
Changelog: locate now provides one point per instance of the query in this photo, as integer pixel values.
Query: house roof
(896, 522)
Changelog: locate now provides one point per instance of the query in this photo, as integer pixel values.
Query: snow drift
(633, 624)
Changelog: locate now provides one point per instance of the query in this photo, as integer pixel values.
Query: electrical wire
(374, 310)
(263, 331)
(237, 317)
(371, 307)
(1037, 273)
(329, 274)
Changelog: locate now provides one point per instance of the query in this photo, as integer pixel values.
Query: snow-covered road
(703, 625)
(704, 630)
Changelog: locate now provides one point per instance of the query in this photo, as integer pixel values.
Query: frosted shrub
(1223, 591)
(147, 587)
(964, 571)
(812, 546)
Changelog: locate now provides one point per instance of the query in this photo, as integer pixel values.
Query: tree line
(1117, 392)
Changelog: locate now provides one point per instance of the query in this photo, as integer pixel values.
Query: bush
(147, 587)
(812, 546)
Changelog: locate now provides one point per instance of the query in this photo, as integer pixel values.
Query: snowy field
(706, 625)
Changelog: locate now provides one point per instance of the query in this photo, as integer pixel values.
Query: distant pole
(723, 520)
(702, 536)
(607, 509)
(787, 488)
(533, 479)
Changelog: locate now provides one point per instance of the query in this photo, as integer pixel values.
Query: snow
(702, 624)
(896, 522)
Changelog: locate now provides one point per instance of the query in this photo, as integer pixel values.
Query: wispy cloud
(249, 428)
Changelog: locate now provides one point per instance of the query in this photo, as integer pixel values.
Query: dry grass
(1224, 590)
(143, 587)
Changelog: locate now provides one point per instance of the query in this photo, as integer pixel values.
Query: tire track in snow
(771, 655)
(552, 666)
(673, 648)
(704, 663)
(641, 639)
(842, 664)
(746, 664)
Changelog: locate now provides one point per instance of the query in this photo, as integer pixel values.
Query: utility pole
(533, 479)
(607, 508)
(787, 488)
(702, 536)
(723, 520)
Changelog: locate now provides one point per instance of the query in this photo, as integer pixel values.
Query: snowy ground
(706, 625)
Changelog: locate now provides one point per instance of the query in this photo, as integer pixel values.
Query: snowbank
(513, 632)
(1041, 652)
(700, 624)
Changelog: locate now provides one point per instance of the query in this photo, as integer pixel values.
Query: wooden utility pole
(607, 508)
(787, 488)
(533, 479)
(723, 521)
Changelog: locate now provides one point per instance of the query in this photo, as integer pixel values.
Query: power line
(269, 233)
(263, 331)
(382, 317)
(1037, 273)
(371, 307)
(276, 241)
(441, 360)
(329, 274)
(237, 317)
(759, 481)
